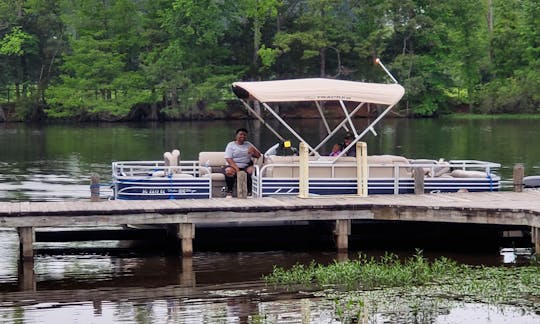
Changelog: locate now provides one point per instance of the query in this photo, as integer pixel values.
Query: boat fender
(531, 181)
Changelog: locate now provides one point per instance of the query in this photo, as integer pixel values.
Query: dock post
(187, 278)
(303, 190)
(535, 238)
(26, 275)
(186, 233)
(519, 172)
(342, 232)
(27, 236)
(361, 169)
(241, 184)
(94, 187)
(419, 181)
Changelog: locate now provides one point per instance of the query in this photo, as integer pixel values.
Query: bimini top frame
(320, 90)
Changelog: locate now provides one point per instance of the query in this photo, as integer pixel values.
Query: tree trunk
(153, 111)
(322, 56)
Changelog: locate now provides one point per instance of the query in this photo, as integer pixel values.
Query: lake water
(110, 282)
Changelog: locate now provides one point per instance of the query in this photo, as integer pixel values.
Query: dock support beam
(27, 237)
(535, 238)
(26, 275)
(186, 232)
(342, 232)
(187, 278)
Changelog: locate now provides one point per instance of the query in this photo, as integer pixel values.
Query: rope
(490, 181)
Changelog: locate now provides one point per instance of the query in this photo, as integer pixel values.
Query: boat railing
(156, 169)
(474, 164)
(155, 180)
(347, 169)
(396, 177)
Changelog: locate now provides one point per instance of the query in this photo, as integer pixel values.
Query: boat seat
(380, 166)
(468, 174)
(435, 169)
(214, 161)
(171, 161)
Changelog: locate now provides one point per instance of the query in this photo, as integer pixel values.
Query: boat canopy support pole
(298, 137)
(338, 127)
(348, 117)
(258, 116)
(368, 129)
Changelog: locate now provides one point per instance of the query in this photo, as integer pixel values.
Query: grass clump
(368, 272)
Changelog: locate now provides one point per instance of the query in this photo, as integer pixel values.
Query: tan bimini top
(319, 89)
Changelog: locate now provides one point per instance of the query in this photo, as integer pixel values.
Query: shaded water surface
(110, 282)
(54, 162)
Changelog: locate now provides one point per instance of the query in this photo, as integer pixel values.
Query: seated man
(346, 142)
(238, 154)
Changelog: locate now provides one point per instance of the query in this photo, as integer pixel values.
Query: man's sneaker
(250, 195)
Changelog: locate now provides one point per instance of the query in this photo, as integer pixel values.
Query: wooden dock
(501, 208)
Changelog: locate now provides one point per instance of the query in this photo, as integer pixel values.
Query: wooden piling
(94, 187)
(303, 186)
(535, 238)
(241, 184)
(519, 172)
(187, 278)
(27, 276)
(419, 181)
(27, 237)
(342, 231)
(186, 232)
(361, 169)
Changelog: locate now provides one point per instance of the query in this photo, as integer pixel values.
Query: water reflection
(85, 283)
(516, 255)
(55, 162)
(210, 287)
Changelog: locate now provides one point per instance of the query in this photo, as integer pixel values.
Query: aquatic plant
(368, 272)
(414, 289)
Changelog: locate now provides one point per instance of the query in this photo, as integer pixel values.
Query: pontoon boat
(277, 174)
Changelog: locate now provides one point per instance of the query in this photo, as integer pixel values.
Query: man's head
(347, 139)
(240, 135)
(241, 130)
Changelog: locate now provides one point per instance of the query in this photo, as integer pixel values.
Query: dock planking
(502, 208)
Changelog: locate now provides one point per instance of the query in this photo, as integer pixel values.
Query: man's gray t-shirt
(239, 153)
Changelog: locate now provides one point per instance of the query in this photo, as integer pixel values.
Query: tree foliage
(176, 58)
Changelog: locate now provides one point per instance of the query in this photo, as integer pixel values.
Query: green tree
(316, 40)
(515, 44)
(258, 12)
(101, 75)
(31, 39)
(200, 65)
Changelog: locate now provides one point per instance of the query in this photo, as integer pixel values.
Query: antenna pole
(378, 61)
